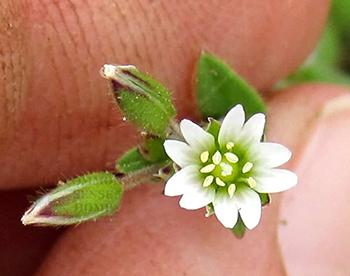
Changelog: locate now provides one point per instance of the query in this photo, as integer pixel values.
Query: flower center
(225, 169)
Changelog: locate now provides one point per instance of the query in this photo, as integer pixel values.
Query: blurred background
(330, 61)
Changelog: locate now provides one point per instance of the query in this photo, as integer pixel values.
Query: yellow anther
(251, 182)
(220, 182)
(217, 157)
(208, 168)
(231, 157)
(208, 180)
(204, 156)
(247, 167)
(231, 190)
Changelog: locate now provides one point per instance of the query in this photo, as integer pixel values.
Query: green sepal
(209, 210)
(219, 88)
(81, 199)
(142, 100)
(239, 229)
(214, 127)
(265, 199)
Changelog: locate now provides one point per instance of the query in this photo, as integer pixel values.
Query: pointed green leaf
(142, 100)
(135, 161)
(132, 161)
(153, 150)
(80, 199)
(219, 88)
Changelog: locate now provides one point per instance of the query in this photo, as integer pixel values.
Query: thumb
(58, 120)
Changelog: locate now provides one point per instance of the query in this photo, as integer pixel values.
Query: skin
(57, 121)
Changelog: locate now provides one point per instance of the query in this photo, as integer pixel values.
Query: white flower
(228, 170)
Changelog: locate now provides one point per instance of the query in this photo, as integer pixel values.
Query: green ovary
(226, 169)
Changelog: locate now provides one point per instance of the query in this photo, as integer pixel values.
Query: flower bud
(142, 100)
(81, 199)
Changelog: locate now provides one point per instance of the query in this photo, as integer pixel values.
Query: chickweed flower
(229, 169)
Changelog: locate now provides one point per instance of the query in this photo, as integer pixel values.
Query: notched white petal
(180, 153)
(195, 136)
(231, 125)
(273, 154)
(197, 199)
(226, 210)
(275, 180)
(185, 180)
(253, 129)
(249, 206)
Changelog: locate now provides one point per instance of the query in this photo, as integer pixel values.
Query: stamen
(231, 157)
(208, 180)
(230, 145)
(247, 167)
(251, 182)
(204, 156)
(208, 168)
(220, 182)
(231, 190)
(226, 169)
(217, 158)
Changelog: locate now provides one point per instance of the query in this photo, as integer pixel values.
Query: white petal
(249, 206)
(231, 125)
(195, 136)
(185, 180)
(253, 129)
(226, 210)
(180, 153)
(273, 155)
(197, 199)
(275, 180)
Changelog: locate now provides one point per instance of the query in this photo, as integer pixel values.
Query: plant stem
(133, 180)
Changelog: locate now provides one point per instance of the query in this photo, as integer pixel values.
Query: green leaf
(142, 100)
(132, 161)
(219, 88)
(80, 199)
(153, 150)
(239, 229)
(150, 154)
